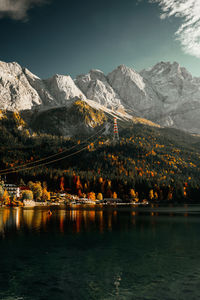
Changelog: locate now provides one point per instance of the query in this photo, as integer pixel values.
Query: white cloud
(17, 9)
(189, 32)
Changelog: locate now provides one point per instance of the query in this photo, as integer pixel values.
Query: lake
(98, 254)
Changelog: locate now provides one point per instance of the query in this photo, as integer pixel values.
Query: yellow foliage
(155, 195)
(45, 195)
(109, 183)
(6, 196)
(151, 195)
(132, 193)
(92, 116)
(18, 119)
(2, 115)
(144, 121)
(99, 196)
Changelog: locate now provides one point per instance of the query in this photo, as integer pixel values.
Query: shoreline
(177, 209)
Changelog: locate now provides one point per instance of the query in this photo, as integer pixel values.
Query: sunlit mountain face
(166, 94)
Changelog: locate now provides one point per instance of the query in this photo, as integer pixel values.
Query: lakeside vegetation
(148, 162)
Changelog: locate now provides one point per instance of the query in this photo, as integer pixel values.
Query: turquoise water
(110, 254)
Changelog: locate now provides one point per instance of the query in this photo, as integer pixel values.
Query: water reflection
(61, 220)
(71, 220)
(98, 254)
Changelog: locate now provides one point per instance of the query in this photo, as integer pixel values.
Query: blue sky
(72, 37)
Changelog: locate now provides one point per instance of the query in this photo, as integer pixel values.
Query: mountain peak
(15, 91)
(6, 64)
(63, 88)
(123, 76)
(9, 68)
(165, 92)
(163, 68)
(124, 69)
(96, 87)
(166, 70)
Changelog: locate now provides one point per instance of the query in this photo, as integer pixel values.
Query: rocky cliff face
(22, 90)
(15, 91)
(130, 87)
(166, 94)
(178, 94)
(95, 86)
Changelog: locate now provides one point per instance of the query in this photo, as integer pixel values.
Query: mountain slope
(166, 94)
(146, 158)
(77, 119)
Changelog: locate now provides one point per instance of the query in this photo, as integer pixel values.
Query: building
(12, 189)
(111, 200)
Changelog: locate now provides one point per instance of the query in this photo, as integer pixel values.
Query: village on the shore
(34, 194)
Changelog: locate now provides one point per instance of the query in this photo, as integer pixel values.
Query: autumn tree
(79, 186)
(6, 196)
(151, 194)
(45, 195)
(114, 195)
(27, 195)
(134, 195)
(62, 183)
(100, 196)
(36, 188)
(92, 196)
(155, 195)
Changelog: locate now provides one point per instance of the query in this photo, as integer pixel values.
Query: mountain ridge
(165, 94)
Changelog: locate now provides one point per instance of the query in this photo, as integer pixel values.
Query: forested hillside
(158, 164)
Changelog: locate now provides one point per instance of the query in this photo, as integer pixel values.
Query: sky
(71, 37)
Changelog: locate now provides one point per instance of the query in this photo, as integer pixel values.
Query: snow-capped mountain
(130, 87)
(96, 87)
(22, 90)
(15, 91)
(166, 94)
(178, 95)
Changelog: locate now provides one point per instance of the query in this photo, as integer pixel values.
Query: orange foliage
(114, 195)
(62, 185)
(92, 196)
